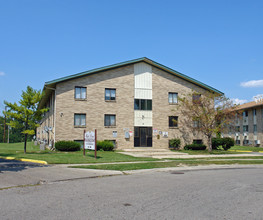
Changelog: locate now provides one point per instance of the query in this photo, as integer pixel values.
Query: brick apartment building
(133, 104)
(248, 129)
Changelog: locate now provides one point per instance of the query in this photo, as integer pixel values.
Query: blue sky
(217, 42)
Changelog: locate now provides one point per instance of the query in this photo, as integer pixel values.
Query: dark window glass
(149, 104)
(142, 104)
(110, 120)
(197, 141)
(136, 104)
(197, 99)
(110, 94)
(80, 119)
(173, 121)
(80, 92)
(172, 98)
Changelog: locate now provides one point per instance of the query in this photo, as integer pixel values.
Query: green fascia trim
(144, 59)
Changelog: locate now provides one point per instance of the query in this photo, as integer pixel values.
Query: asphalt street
(15, 165)
(185, 193)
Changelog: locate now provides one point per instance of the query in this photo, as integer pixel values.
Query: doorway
(142, 136)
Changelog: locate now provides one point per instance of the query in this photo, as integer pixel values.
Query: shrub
(216, 143)
(175, 143)
(195, 147)
(227, 143)
(67, 146)
(105, 145)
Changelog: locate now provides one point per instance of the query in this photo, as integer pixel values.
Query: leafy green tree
(26, 115)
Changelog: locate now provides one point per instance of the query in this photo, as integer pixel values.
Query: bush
(195, 147)
(216, 143)
(175, 143)
(227, 143)
(67, 146)
(105, 145)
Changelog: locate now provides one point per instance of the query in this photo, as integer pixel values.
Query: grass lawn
(56, 157)
(247, 148)
(176, 163)
(232, 150)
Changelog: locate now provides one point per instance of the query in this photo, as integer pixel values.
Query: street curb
(241, 151)
(26, 160)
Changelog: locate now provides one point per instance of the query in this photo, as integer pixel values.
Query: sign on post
(90, 141)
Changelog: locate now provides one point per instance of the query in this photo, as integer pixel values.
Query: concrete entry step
(151, 152)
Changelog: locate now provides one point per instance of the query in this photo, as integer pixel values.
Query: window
(142, 104)
(80, 120)
(110, 94)
(173, 121)
(237, 128)
(110, 120)
(255, 129)
(197, 141)
(245, 128)
(197, 99)
(254, 112)
(80, 92)
(196, 124)
(245, 114)
(173, 98)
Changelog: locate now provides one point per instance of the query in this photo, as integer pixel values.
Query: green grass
(56, 157)
(151, 165)
(221, 151)
(247, 148)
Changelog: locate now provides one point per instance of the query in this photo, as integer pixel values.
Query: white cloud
(238, 101)
(252, 83)
(2, 73)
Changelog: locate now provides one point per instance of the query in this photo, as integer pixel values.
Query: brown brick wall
(122, 79)
(163, 83)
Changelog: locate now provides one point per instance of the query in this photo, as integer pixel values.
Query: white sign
(89, 142)
(114, 134)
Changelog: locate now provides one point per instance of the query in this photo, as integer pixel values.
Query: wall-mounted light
(61, 114)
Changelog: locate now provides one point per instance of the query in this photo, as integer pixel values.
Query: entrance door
(142, 136)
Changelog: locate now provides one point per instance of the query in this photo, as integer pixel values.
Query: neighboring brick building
(248, 129)
(133, 103)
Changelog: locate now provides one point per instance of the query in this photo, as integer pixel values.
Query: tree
(208, 113)
(26, 115)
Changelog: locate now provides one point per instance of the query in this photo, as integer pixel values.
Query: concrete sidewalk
(48, 174)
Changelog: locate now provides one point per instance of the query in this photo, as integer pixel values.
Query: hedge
(226, 143)
(67, 146)
(195, 147)
(105, 145)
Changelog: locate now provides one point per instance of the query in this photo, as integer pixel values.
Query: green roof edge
(145, 59)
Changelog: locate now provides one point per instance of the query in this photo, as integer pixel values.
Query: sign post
(84, 143)
(90, 141)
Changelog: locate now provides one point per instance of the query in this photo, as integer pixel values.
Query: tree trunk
(25, 143)
(25, 136)
(209, 143)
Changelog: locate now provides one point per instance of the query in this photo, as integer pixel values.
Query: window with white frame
(80, 120)
(80, 92)
(173, 98)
